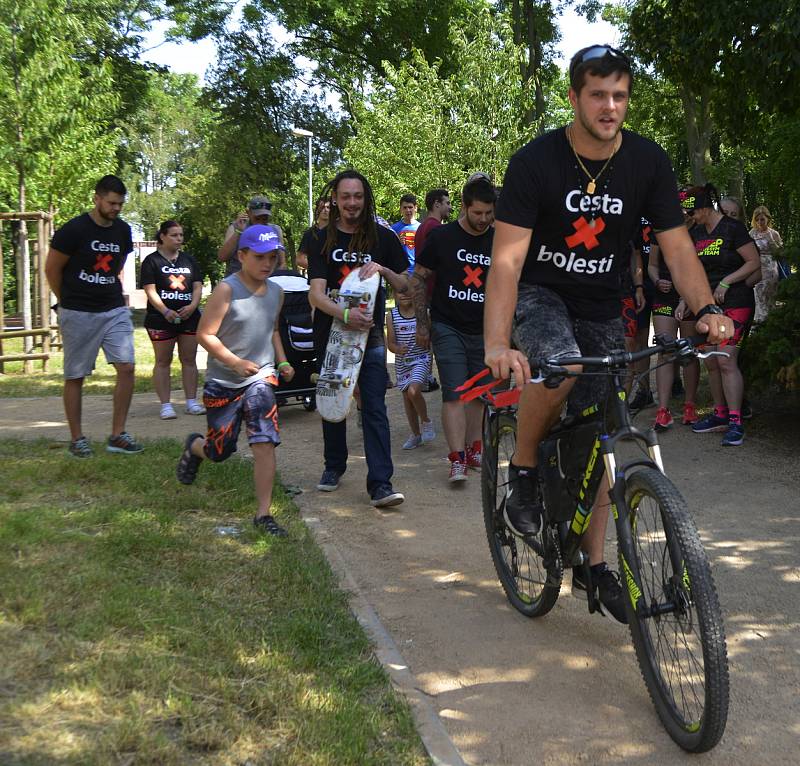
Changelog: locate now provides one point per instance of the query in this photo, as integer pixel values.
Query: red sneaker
(689, 414)
(474, 456)
(663, 419)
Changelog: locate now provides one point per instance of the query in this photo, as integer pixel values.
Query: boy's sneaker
(734, 436)
(523, 511)
(167, 412)
(642, 400)
(329, 481)
(663, 419)
(193, 407)
(710, 423)
(412, 442)
(474, 459)
(428, 432)
(609, 591)
(386, 497)
(689, 414)
(458, 468)
(188, 462)
(80, 448)
(269, 526)
(124, 444)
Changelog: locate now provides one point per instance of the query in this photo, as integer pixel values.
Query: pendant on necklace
(590, 187)
(592, 223)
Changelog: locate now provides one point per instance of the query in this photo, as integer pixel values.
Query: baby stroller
(297, 336)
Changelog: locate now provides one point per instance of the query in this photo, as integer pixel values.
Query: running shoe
(167, 412)
(642, 400)
(428, 432)
(458, 468)
(269, 526)
(523, 511)
(386, 497)
(710, 423)
(412, 442)
(609, 591)
(80, 448)
(189, 463)
(734, 436)
(474, 458)
(689, 414)
(329, 481)
(663, 419)
(124, 444)
(193, 407)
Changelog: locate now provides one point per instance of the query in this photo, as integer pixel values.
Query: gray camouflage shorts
(544, 328)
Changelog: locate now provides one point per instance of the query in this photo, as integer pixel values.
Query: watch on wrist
(711, 308)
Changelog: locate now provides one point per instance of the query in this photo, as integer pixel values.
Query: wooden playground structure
(32, 322)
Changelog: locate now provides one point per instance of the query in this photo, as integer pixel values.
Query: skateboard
(345, 351)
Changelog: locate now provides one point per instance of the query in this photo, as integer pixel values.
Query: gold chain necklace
(592, 185)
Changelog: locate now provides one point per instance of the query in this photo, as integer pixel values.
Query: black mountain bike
(672, 606)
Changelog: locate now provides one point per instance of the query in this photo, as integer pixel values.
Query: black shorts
(544, 329)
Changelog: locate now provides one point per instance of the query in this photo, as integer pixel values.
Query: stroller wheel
(309, 403)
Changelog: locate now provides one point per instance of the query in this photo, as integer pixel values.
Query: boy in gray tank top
(245, 355)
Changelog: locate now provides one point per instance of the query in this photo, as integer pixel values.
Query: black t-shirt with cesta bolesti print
(460, 262)
(174, 283)
(96, 254)
(335, 265)
(717, 252)
(580, 241)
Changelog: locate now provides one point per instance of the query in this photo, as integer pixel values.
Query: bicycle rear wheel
(520, 564)
(682, 653)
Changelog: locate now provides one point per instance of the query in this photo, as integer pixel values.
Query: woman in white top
(768, 242)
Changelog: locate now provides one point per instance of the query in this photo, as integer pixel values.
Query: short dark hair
(600, 61)
(164, 228)
(110, 184)
(478, 190)
(412, 198)
(434, 196)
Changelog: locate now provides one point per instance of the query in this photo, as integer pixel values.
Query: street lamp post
(309, 135)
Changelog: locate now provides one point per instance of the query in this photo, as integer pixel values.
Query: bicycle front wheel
(520, 564)
(674, 614)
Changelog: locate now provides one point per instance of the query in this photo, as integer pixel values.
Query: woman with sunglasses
(729, 257)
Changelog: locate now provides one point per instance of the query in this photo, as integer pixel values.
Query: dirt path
(565, 689)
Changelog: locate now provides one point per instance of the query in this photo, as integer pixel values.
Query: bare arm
(153, 298)
(637, 275)
(391, 338)
(691, 281)
(286, 372)
(510, 249)
(228, 249)
(216, 308)
(356, 318)
(752, 263)
(419, 294)
(197, 294)
(54, 270)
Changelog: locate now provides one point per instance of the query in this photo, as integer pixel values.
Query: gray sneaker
(80, 448)
(124, 444)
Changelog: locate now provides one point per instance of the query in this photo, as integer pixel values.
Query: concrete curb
(434, 736)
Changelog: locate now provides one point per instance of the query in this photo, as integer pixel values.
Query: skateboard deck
(345, 351)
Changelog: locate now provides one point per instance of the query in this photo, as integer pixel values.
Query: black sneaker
(329, 481)
(123, 444)
(269, 526)
(610, 593)
(188, 463)
(642, 400)
(433, 385)
(523, 511)
(386, 497)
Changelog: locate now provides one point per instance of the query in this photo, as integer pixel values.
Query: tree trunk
(696, 107)
(525, 33)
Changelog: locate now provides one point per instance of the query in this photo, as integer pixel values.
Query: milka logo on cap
(267, 236)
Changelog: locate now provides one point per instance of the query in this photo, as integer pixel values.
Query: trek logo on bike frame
(584, 515)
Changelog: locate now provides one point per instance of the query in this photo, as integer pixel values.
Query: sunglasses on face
(598, 52)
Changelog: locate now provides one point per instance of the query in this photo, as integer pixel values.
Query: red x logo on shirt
(344, 270)
(473, 276)
(585, 233)
(102, 263)
(177, 282)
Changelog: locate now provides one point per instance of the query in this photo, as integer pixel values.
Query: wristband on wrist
(283, 364)
(638, 287)
(346, 317)
(724, 284)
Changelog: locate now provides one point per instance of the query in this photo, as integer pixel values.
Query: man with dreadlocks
(353, 240)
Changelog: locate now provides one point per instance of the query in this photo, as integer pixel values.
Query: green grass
(14, 383)
(133, 633)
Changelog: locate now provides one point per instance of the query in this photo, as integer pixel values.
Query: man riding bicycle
(571, 201)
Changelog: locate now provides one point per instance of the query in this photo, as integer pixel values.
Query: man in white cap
(259, 211)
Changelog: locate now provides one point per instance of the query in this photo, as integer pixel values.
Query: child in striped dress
(412, 366)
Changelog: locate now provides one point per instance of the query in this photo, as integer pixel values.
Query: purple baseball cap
(261, 239)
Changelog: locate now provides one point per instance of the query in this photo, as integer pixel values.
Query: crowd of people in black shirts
(589, 244)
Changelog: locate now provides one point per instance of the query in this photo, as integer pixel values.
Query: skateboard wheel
(314, 377)
(346, 382)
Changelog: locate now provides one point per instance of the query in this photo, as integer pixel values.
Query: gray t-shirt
(246, 330)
